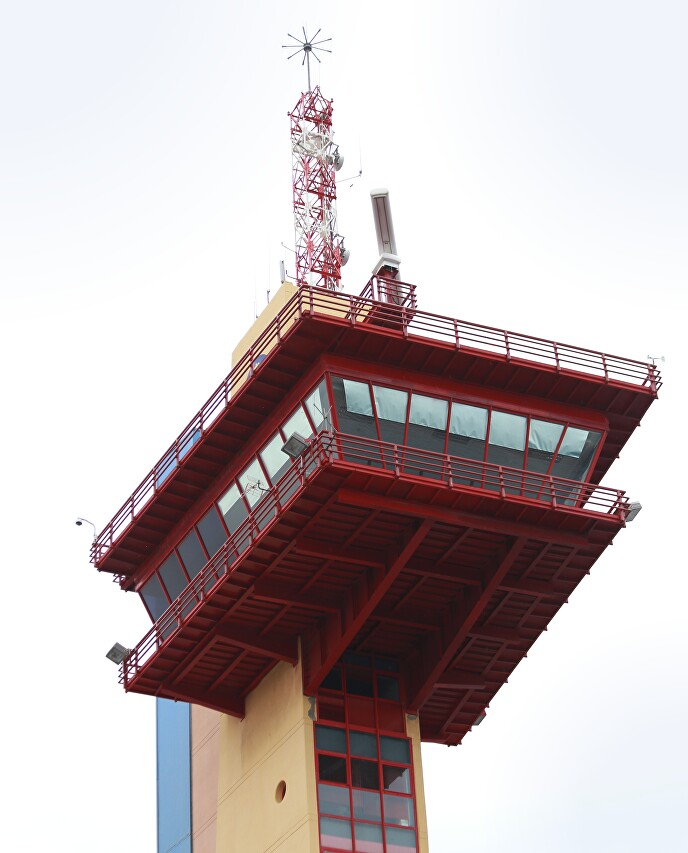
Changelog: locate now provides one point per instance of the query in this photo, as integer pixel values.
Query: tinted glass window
(275, 460)
(367, 805)
(543, 438)
(364, 774)
(576, 453)
(400, 839)
(334, 800)
(172, 576)
(232, 508)
(192, 554)
(467, 430)
(212, 532)
(335, 834)
(395, 749)
(507, 439)
(363, 744)
(399, 810)
(391, 406)
(298, 422)
(152, 593)
(319, 407)
(329, 739)
(427, 423)
(387, 688)
(354, 407)
(396, 779)
(252, 482)
(332, 769)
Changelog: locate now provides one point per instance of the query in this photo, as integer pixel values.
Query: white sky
(536, 157)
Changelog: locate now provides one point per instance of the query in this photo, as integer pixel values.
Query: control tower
(354, 542)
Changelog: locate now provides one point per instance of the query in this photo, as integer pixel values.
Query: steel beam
(489, 523)
(424, 677)
(327, 642)
(286, 650)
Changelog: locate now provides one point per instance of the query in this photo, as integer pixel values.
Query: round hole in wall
(280, 791)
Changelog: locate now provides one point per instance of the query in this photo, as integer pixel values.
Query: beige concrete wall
(205, 760)
(266, 316)
(273, 744)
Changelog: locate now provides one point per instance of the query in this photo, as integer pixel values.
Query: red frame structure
(454, 580)
(314, 154)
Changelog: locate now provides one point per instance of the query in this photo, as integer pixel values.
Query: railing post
(557, 363)
(604, 365)
(506, 345)
(457, 342)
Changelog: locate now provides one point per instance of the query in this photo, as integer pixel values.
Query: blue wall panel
(174, 776)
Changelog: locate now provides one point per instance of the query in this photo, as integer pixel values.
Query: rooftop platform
(316, 324)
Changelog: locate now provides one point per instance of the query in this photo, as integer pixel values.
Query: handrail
(356, 310)
(328, 448)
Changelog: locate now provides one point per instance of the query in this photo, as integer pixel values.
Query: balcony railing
(397, 461)
(405, 320)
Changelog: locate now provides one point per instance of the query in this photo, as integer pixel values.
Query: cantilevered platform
(317, 324)
(456, 581)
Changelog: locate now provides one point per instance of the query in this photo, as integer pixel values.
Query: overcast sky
(535, 153)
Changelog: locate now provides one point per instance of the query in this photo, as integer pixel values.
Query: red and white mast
(320, 252)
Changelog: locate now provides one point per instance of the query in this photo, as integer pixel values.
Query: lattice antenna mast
(320, 252)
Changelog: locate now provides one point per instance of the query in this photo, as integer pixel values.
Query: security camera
(79, 522)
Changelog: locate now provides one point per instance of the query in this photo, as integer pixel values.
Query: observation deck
(452, 565)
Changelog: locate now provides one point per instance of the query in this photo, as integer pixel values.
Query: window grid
(564, 422)
(368, 809)
(156, 576)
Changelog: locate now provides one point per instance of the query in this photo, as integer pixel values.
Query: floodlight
(634, 508)
(295, 445)
(117, 653)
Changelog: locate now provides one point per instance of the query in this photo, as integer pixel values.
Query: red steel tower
(354, 542)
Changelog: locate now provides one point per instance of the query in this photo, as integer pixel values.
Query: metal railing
(398, 461)
(355, 310)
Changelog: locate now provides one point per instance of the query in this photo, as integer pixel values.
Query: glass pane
(396, 779)
(428, 412)
(399, 810)
(387, 688)
(275, 460)
(364, 774)
(172, 576)
(154, 597)
(319, 407)
(428, 424)
(332, 769)
(576, 453)
(359, 683)
(400, 840)
(508, 430)
(212, 531)
(192, 554)
(233, 508)
(357, 397)
(467, 430)
(363, 744)
(334, 800)
(391, 406)
(543, 438)
(335, 833)
(298, 422)
(368, 838)
(507, 442)
(395, 749)
(333, 680)
(367, 805)
(330, 739)
(252, 482)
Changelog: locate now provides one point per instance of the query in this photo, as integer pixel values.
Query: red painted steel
(336, 449)
(401, 322)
